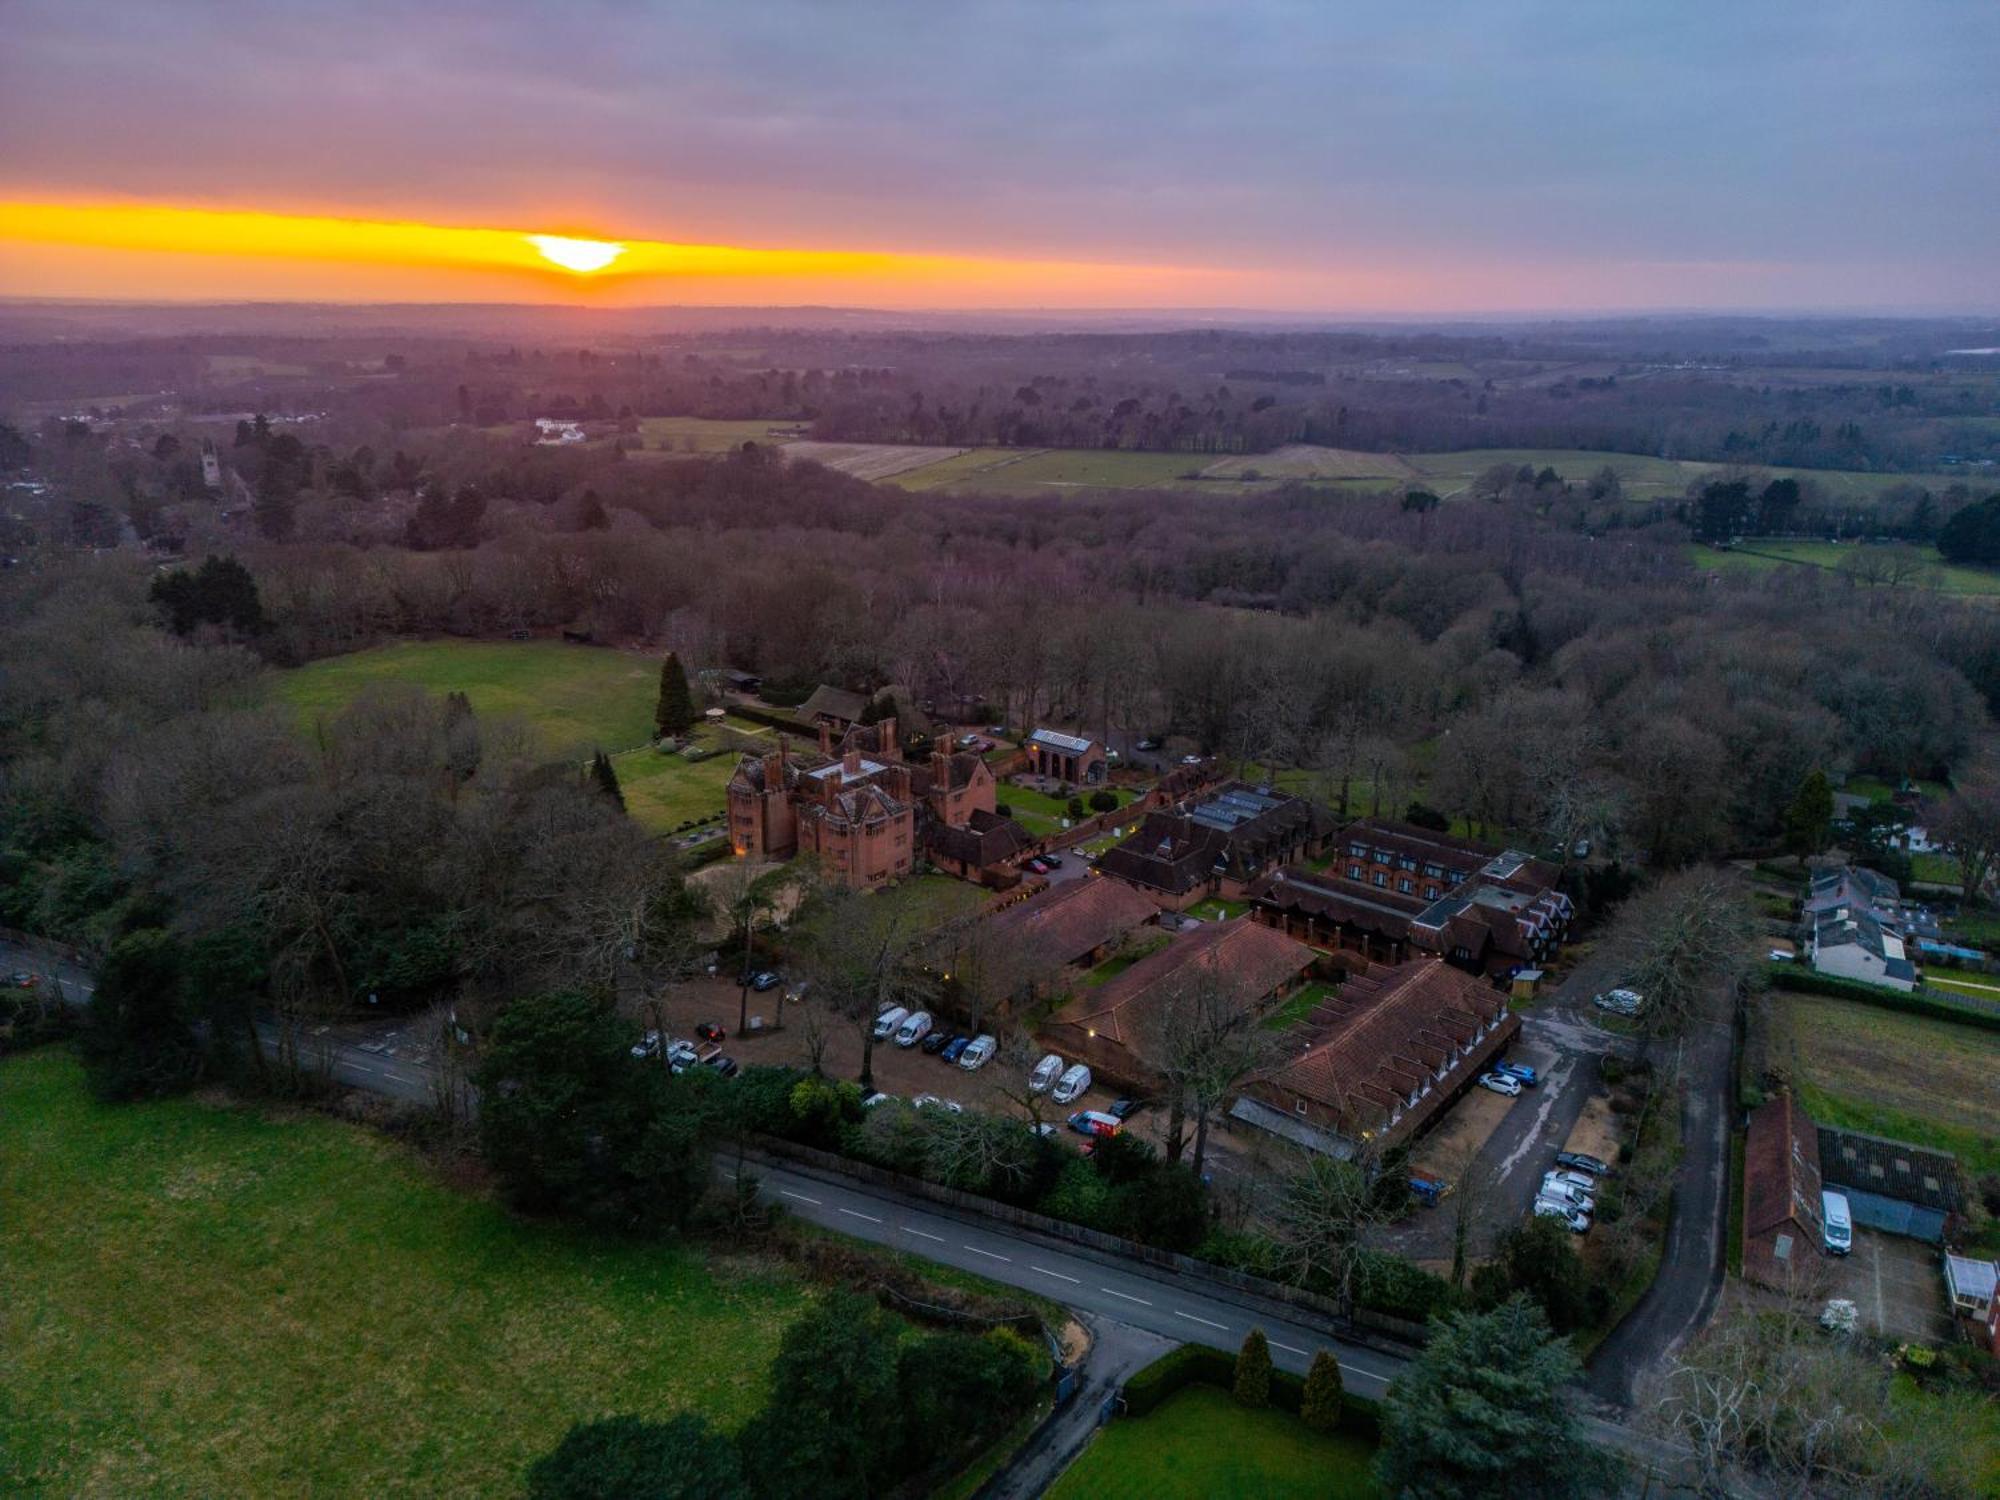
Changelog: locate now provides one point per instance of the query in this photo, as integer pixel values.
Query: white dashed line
(855, 1213)
(1288, 1348)
(1205, 1322)
(989, 1254)
(1072, 1280)
(1126, 1295)
(800, 1196)
(924, 1234)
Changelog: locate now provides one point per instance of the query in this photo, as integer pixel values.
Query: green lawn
(1297, 1007)
(1200, 1445)
(664, 791)
(1215, 909)
(203, 1300)
(1762, 556)
(1040, 813)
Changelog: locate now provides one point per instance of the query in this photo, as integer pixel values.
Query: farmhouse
(1120, 1028)
(1393, 892)
(1382, 1057)
(1781, 1192)
(1216, 844)
(1065, 757)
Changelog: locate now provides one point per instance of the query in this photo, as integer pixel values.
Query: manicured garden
(1042, 814)
(1200, 1443)
(208, 1300)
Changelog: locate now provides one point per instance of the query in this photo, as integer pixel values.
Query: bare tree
(1323, 1211)
(1969, 825)
(1684, 946)
(1206, 1039)
(864, 958)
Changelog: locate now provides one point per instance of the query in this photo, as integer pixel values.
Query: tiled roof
(1781, 1178)
(1386, 1035)
(1894, 1169)
(835, 703)
(1066, 922)
(988, 839)
(1250, 960)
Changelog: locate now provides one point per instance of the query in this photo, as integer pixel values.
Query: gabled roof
(1781, 1178)
(1250, 960)
(1068, 921)
(987, 839)
(1068, 744)
(833, 703)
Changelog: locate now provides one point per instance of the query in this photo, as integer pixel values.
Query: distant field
(250, 366)
(203, 1300)
(701, 435)
(870, 460)
(1762, 556)
(1015, 470)
(1909, 1078)
(1307, 461)
(1642, 477)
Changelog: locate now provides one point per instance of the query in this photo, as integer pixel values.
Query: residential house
(835, 707)
(1119, 1028)
(987, 849)
(1853, 943)
(1781, 1192)
(1393, 891)
(1066, 757)
(1380, 1058)
(1216, 844)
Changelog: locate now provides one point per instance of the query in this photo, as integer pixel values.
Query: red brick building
(1380, 1058)
(1393, 892)
(1066, 757)
(1079, 922)
(1782, 1229)
(1216, 844)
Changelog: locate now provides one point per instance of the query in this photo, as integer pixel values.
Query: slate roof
(1894, 1169)
(1067, 744)
(1068, 921)
(1232, 831)
(986, 840)
(833, 703)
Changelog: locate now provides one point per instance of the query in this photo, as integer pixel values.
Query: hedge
(1915, 1003)
(1197, 1364)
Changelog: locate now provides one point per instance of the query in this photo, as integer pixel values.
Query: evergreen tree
(1481, 1414)
(673, 716)
(1973, 534)
(136, 1041)
(1809, 820)
(1320, 1407)
(627, 1458)
(1253, 1370)
(604, 778)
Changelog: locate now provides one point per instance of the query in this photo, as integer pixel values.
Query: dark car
(764, 979)
(1124, 1109)
(723, 1063)
(1576, 1161)
(1147, 744)
(936, 1042)
(708, 1031)
(1052, 860)
(1521, 1071)
(954, 1047)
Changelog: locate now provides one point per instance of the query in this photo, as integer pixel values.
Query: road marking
(1127, 1296)
(397, 1076)
(855, 1213)
(1206, 1322)
(989, 1254)
(925, 1233)
(1072, 1280)
(1288, 1348)
(800, 1196)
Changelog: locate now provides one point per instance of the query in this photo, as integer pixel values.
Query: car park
(1500, 1083)
(888, 1021)
(1124, 1109)
(1577, 1161)
(936, 1042)
(1073, 1085)
(1526, 1075)
(979, 1053)
(1093, 1122)
(709, 1031)
(1575, 1218)
(1046, 1072)
(955, 1048)
(916, 1026)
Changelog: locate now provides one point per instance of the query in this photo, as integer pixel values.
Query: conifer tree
(604, 776)
(674, 716)
(1320, 1407)
(1253, 1371)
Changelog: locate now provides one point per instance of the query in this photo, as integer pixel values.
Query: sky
(1325, 156)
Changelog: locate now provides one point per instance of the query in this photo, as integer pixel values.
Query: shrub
(1074, 808)
(627, 1458)
(1320, 1407)
(1807, 981)
(1389, 1284)
(1252, 1386)
(1103, 802)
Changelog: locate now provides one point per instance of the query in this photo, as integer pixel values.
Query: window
(1403, 884)
(1406, 863)
(1430, 893)
(1458, 877)
(1381, 877)
(1359, 851)
(1354, 872)
(1435, 871)
(1781, 1247)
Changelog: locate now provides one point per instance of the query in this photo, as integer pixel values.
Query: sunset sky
(1323, 156)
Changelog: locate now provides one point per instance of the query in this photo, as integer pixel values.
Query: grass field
(1763, 556)
(1910, 1078)
(1200, 1444)
(1040, 813)
(206, 1301)
(702, 435)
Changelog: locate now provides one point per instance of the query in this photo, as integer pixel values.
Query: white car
(1620, 1002)
(647, 1045)
(878, 1097)
(980, 1053)
(916, 1026)
(1047, 1071)
(1555, 1189)
(1500, 1083)
(1549, 1208)
(925, 1101)
(1073, 1085)
(888, 1021)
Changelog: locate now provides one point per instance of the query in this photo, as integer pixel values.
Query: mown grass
(1760, 556)
(1201, 1444)
(693, 435)
(1297, 1007)
(206, 1300)
(1910, 1078)
(1042, 814)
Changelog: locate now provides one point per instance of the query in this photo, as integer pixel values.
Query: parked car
(1053, 860)
(1836, 1223)
(925, 1101)
(681, 1056)
(21, 979)
(1093, 1122)
(916, 1026)
(1073, 1085)
(1554, 1186)
(888, 1021)
(1577, 1161)
(1500, 1083)
(979, 1053)
(1124, 1109)
(1147, 744)
(1430, 1191)
(936, 1042)
(709, 1031)
(1782, 955)
(764, 979)
(647, 1045)
(869, 1101)
(722, 1063)
(796, 991)
(1575, 1218)
(1046, 1072)
(1045, 1130)
(955, 1048)
(1620, 1002)
(1190, 760)
(1521, 1071)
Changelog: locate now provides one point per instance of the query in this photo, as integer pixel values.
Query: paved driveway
(1896, 1283)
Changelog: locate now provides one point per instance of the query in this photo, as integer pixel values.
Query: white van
(979, 1053)
(1073, 1085)
(916, 1026)
(1047, 1071)
(1836, 1223)
(888, 1021)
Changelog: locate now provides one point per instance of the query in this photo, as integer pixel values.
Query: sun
(580, 256)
